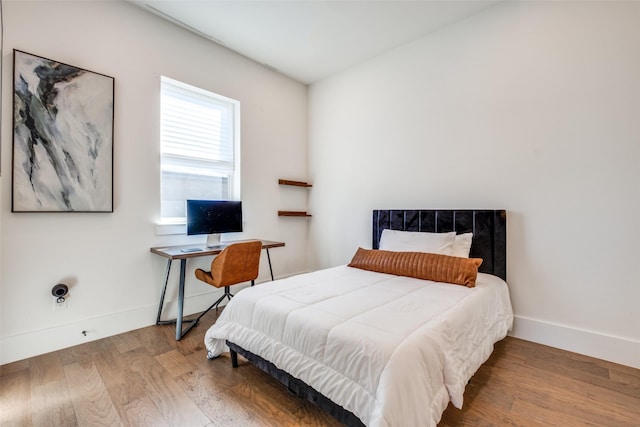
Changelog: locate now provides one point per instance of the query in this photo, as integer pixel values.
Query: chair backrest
(237, 263)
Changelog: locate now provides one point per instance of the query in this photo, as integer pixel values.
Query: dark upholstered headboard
(489, 228)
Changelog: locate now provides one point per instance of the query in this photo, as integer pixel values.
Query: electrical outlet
(59, 306)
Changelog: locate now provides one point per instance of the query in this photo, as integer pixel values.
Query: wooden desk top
(177, 252)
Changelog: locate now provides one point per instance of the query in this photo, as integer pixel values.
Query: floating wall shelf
(294, 184)
(293, 213)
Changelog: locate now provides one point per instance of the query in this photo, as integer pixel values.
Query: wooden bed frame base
(296, 386)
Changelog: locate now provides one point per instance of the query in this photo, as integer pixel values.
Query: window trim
(177, 225)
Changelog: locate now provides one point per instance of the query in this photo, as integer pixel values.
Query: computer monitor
(213, 217)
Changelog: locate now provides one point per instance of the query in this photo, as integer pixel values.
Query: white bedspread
(393, 350)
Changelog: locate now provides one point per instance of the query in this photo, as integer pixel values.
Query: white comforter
(393, 350)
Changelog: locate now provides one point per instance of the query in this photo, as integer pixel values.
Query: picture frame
(62, 137)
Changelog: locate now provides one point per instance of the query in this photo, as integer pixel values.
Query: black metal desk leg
(269, 258)
(183, 265)
(164, 290)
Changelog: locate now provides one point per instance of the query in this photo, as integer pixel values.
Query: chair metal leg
(227, 294)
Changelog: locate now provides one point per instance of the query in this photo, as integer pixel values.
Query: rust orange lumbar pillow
(421, 265)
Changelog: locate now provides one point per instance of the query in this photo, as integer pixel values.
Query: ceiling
(309, 40)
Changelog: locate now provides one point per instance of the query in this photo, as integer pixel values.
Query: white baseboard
(29, 344)
(614, 349)
(33, 343)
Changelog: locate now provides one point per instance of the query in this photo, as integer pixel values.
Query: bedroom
(548, 96)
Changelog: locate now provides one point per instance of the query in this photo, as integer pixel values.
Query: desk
(184, 252)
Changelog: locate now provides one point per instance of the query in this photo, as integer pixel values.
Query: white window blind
(198, 147)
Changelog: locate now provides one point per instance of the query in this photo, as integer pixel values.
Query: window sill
(165, 228)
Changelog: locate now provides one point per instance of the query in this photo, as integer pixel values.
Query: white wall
(115, 280)
(529, 106)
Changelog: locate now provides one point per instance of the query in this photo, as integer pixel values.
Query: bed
(374, 348)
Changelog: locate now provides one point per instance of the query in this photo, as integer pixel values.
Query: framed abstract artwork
(62, 137)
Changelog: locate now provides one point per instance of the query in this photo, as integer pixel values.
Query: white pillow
(462, 245)
(417, 241)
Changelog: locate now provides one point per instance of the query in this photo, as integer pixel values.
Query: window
(199, 134)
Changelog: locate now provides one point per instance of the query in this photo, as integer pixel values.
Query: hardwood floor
(146, 378)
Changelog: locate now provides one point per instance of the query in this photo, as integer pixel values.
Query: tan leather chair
(237, 263)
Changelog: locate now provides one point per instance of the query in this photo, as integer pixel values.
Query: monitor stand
(213, 240)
